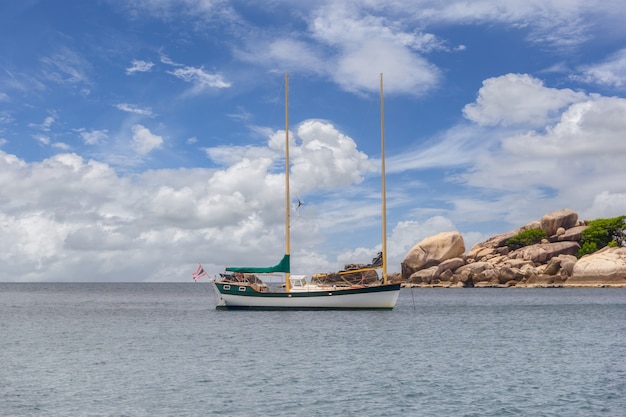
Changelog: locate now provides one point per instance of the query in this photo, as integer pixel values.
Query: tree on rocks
(601, 233)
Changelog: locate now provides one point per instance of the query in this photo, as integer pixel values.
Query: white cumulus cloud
(316, 143)
(144, 141)
(68, 218)
(518, 99)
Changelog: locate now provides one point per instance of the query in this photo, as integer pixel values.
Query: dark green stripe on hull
(248, 291)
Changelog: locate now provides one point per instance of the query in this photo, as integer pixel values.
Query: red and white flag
(199, 273)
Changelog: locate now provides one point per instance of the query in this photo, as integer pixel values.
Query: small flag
(199, 273)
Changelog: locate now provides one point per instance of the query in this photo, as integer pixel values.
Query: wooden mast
(287, 201)
(384, 191)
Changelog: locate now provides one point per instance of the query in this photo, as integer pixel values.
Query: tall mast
(384, 191)
(287, 201)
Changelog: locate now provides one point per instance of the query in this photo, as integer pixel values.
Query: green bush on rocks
(601, 233)
(525, 238)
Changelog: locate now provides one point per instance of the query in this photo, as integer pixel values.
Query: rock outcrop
(440, 260)
(543, 252)
(432, 251)
(564, 218)
(608, 266)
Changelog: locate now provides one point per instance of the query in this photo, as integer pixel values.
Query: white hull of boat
(384, 297)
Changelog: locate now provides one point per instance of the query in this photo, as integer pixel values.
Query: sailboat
(241, 287)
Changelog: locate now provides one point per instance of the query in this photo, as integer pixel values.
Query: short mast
(287, 201)
(384, 191)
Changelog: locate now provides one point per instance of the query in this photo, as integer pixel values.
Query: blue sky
(139, 138)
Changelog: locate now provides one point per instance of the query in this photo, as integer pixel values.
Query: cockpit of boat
(298, 281)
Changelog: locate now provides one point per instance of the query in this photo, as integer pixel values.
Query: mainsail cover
(282, 266)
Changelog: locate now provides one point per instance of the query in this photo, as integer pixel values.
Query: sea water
(163, 350)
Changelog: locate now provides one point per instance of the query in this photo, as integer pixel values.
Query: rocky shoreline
(440, 261)
(519, 285)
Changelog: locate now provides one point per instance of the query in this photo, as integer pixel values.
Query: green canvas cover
(283, 266)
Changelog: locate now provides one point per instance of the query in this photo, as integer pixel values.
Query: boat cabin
(298, 282)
